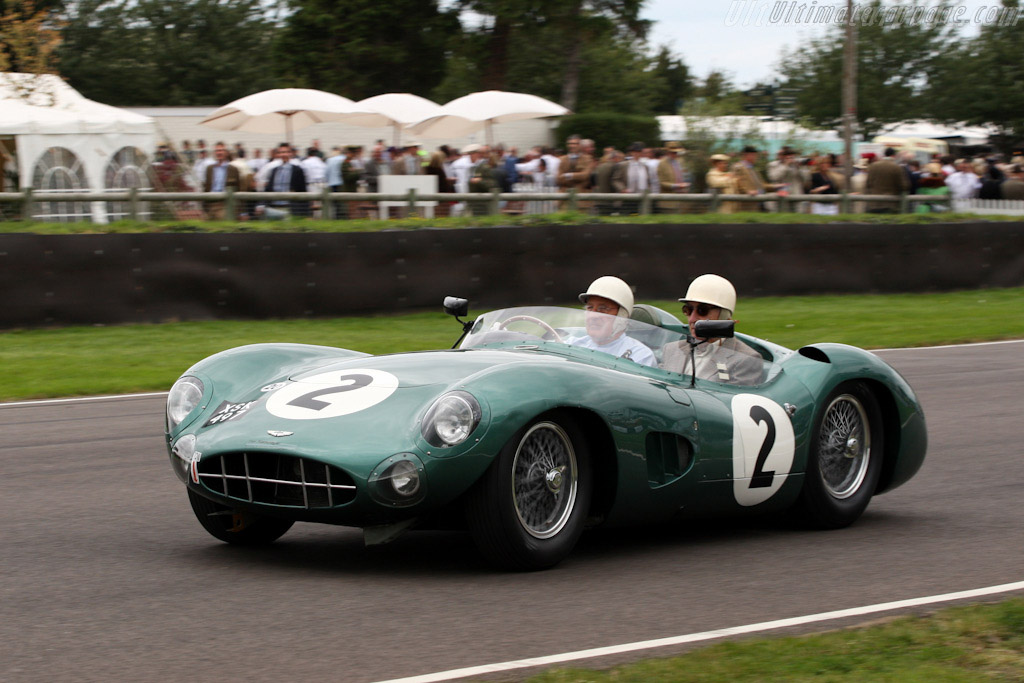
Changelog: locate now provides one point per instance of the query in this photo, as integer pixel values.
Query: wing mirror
(456, 307)
(714, 329)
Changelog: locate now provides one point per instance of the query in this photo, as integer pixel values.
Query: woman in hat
(722, 181)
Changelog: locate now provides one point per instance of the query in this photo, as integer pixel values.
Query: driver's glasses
(602, 308)
(703, 310)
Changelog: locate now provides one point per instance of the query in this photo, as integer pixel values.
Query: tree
(979, 81)
(673, 82)
(359, 48)
(29, 37)
(560, 33)
(184, 52)
(894, 55)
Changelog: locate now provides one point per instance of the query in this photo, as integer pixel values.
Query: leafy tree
(672, 82)
(979, 81)
(29, 37)
(182, 52)
(359, 48)
(894, 56)
(565, 31)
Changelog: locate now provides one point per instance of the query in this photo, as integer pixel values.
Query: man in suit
(886, 177)
(288, 177)
(220, 175)
(671, 178)
(611, 177)
(748, 178)
(575, 167)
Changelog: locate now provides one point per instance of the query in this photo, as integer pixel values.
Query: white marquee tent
(61, 141)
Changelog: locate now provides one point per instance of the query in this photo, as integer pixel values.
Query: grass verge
(77, 361)
(415, 223)
(975, 643)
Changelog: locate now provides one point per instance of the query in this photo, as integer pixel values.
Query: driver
(730, 361)
(608, 303)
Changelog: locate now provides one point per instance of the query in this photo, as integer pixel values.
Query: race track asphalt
(106, 575)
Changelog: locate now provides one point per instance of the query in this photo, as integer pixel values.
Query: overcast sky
(745, 37)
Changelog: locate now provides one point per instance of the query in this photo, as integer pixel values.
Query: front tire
(235, 527)
(527, 511)
(845, 458)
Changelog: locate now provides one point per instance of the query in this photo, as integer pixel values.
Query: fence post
(133, 203)
(412, 201)
(26, 205)
(571, 202)
(645, 203)
(845, 203)
(229, 204)
(715, 201)
(494, 205)
(904, 203)
(326, 203)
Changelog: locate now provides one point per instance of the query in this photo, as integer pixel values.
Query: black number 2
(311, 401)
(762, 479)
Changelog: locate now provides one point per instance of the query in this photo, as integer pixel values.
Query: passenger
(730, 361)
(611, 300)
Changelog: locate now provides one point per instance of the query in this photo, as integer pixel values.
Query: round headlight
(405, 478)
(451, 419)
(398, 481)
(182, 399)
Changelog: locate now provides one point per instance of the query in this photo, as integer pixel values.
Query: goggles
(702, 309)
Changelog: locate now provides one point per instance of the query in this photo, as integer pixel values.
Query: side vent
(669, 456)
(814, 353)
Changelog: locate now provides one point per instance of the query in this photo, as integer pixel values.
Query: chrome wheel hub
(844, 446)
(544, 480)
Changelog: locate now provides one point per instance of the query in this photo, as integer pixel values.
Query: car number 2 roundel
(331, 394)
(762, 448)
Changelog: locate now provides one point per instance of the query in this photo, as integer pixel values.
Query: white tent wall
(42, 112)
(94, 151)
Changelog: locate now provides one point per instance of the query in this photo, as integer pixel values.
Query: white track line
(115, 397)
(706, 635)
(953, 346)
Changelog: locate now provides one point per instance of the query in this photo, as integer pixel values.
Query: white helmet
(714, 290)
(613, 289)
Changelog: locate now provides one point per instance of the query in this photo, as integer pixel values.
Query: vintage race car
(525, 437)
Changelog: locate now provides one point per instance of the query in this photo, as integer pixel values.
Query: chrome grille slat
(277, 479)
(264, 480)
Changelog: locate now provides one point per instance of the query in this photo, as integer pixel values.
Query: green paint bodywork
(637, 419)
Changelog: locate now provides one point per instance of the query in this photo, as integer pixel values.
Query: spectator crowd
(637, 170)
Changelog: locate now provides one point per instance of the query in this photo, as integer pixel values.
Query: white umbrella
(478, 110)
(396, 110)
(282, 111)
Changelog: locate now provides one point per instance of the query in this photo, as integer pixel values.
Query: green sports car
(525, 436)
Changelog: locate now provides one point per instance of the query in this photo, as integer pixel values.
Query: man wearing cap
(721, 180)
(748, 178)
(608, 303)
(729, 361)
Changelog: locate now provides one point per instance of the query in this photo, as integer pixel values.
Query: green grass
(564, 218)
(71, 361)
(975, 643)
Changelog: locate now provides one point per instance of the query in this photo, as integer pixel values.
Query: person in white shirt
(608, 303)
(314, 168)
(965, 183)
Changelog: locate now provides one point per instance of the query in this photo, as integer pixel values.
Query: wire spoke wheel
(844, 445)
(544, 480)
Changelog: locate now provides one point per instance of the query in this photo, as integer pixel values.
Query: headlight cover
(399, 481)
(451, 419)
(184, 396)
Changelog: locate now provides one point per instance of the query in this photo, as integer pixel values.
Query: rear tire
(234, 526)
(845, 458)
(527, 511)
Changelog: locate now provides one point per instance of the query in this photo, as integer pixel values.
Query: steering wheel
(536, 321)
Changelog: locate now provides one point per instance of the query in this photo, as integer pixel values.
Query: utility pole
(849, 91)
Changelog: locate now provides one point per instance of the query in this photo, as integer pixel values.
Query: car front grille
(277, 479)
